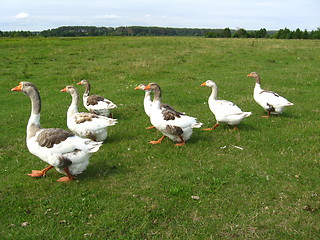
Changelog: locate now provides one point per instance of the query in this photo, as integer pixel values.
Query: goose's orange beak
(249, 75)
(17, 88)
(79, 83)
(147, 87)
(137, 88)
(204, 84)
(63, 90)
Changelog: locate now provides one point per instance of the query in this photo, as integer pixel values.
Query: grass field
(269, 188)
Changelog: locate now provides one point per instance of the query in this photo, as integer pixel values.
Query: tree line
(82, 31)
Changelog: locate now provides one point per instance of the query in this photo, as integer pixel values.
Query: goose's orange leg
(214, 127)
(266, 115)
(42, 173)
(68, 178)
(182, 142)
(158, 141)
(151, 127)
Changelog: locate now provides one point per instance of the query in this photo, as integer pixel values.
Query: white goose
(224, 111)
(86, 125)
(270, 101)
(177, 127)
(95, 103)
(147, 102)
(68, 153)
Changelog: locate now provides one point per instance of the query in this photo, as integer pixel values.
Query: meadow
(260, 182)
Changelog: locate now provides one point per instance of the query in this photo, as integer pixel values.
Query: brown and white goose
(270, 101)
(95, 103)
(147, 102)
(177, 127)
(68, 153)
(83, 124)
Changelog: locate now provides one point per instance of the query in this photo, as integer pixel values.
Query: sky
(38, 15)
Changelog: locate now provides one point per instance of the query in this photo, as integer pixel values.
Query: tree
(283, 34)
(297, 34)
(305, 34)
(211, 34)
(241, 33)
(226, 33)
(262, 33)
(315, 34)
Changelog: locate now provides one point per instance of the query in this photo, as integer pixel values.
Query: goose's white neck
(87, 91)
(147, 100)
(34, 119)
(257, 87)
(156, 104)
(214, 93)
(33, 125)
(147, 93)
(73, 108)
(147, 96)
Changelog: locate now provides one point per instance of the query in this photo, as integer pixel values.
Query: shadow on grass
(287, 115)
(283, 115)
(101, 170)
(225, 127)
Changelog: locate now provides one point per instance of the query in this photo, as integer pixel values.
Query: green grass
(134, 190)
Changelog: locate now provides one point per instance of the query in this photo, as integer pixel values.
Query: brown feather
(50, 136)
(64, 162)
(174, 130)
(85, 117)
(94, 99)
(170, 115)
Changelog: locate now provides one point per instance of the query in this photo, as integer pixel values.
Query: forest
(83, 31)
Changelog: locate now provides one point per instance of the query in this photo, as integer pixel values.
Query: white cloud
(109, 16)
(147, 16)
(22, 15)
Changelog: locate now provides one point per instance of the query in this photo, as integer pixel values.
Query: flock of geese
(69, 151)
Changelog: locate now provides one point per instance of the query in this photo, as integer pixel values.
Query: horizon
(232, 29)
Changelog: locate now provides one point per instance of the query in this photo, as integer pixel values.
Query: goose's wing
(168, 107)
(274, 99)
(224, 108)
(177, 119)
(92, 121)
(99, 102)
(50, 136)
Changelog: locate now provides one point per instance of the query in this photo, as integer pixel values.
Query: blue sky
(37, 15)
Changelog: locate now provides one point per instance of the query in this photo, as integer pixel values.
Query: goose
(83, 124)
(61, 149)
(270, 101)
(95, 103)
(172, 124)
(147, 102)
(224, 111)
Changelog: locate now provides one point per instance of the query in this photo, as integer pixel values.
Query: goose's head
(156, 90)
(209, 83)
(83, 82)
(152, 86)
(70, 89)
(25, 87)
(254, 75)
(140, 87)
